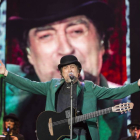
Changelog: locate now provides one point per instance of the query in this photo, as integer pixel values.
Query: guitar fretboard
(84, 117)
(92, 114)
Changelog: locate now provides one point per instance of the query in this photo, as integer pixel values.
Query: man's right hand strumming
(3, 70)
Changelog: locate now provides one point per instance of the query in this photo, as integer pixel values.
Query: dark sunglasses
(133, 127)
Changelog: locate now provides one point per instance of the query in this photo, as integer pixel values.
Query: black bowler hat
(34, 13)
(134, 123)
(11, 116)
(69, 59)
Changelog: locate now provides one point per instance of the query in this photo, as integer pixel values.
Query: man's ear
(29, 55)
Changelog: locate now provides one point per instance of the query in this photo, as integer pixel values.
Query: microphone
(71, 75)
(8, 128)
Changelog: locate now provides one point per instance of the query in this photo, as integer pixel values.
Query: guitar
(53, 126)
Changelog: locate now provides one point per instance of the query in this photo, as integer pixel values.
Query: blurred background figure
(134, 129)
(11, 128)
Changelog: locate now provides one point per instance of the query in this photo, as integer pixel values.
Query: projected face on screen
(75, 35)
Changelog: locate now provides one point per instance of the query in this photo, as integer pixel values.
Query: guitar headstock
(124, 107)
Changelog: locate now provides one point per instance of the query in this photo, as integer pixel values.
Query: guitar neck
(92, 115)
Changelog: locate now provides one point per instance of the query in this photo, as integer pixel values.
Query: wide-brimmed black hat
(69, 59)
(134, 123)
(34, 13)
(11, 116)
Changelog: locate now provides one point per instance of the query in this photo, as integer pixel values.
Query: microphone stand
(71, 119)
(8, 133)
(7, 137)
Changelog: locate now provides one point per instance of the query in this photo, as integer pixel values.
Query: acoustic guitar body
(53, 126)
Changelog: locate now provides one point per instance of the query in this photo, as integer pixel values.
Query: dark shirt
(64, 101)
